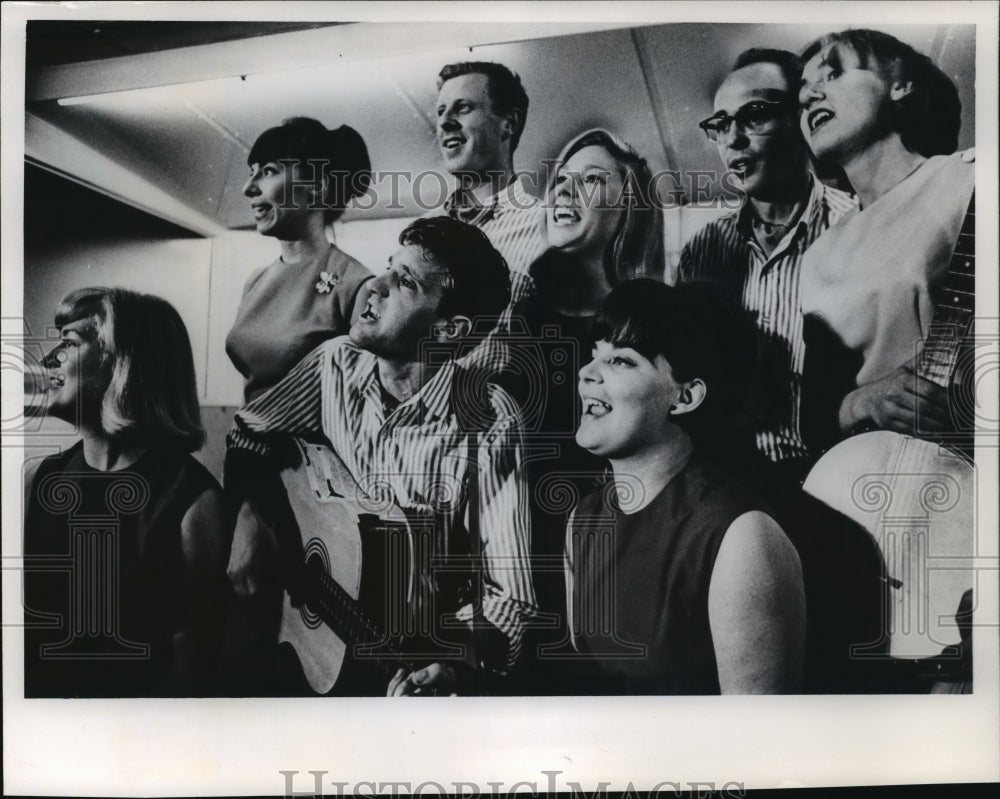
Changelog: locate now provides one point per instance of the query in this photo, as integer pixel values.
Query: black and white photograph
(495, 398)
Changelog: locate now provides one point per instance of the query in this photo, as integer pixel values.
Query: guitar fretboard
(954, 308)
(342, 613)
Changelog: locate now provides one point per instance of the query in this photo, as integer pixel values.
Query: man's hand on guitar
(434, 680)
(901, 401)
(253, 553)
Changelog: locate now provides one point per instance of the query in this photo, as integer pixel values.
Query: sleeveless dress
(105, 582)
(639, 602)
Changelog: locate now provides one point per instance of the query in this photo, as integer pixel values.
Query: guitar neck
(341, 612)
(954, 309)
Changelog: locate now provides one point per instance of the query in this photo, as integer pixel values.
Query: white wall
(177, 270)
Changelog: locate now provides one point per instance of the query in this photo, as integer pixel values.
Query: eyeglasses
(758, 117)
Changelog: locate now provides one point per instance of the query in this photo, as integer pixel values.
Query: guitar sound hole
(314, 563)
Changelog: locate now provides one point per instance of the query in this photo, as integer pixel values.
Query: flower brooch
(326, 282)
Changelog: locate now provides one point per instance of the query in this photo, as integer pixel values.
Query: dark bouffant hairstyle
(928, 119)
(505, 88)
(701, 333)
(341, 153)
(479, 284)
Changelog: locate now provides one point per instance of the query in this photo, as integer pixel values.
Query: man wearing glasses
(755, 253)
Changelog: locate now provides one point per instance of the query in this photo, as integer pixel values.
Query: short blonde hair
(152, 396)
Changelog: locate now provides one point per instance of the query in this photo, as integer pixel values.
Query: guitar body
(357, 568)
(917, 499)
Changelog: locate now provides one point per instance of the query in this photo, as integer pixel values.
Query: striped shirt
(420, 454)
(725, 252)
(512, 219)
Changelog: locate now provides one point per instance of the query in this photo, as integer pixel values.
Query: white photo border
(241, 746)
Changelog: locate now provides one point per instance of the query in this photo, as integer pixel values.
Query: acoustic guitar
(915, 496)
(349, 574)
(360, 597)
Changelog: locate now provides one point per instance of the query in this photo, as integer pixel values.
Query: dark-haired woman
(301, 178)
(679, 581)
(125, 533)
(889, 118)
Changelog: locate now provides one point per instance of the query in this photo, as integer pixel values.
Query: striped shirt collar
(811, 215)
(463, 205)
(433, 398)
(516, 196)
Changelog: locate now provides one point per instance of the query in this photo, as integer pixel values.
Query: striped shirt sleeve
(708, 254)
(685, 267)
(509, 598)
(292, 407)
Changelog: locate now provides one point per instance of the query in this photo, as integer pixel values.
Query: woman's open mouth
(565, 216)
(817, 118)
(594, 407)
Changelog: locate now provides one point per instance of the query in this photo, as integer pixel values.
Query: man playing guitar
(394, 408)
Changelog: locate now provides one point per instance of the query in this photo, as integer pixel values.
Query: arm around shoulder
(756, 608)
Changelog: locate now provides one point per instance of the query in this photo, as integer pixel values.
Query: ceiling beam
(283, 51)
(54, 149)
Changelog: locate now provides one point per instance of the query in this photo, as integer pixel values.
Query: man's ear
(900, 89)
(453, 329)
(511, 121)
(691, 395)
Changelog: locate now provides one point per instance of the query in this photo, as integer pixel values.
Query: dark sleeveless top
(103, 551)
(641, 580)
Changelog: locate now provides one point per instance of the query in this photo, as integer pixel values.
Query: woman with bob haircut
(889, 118)
(302, 176)
(603, 227)
(123, 374)
(679, 581)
